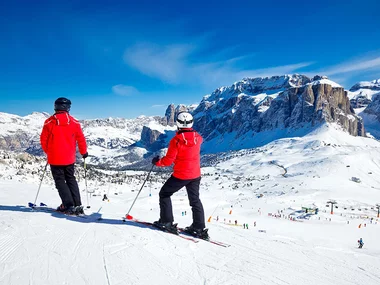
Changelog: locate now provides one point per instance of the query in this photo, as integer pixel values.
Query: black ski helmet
(62, 104)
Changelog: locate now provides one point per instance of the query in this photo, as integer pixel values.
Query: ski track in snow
(8, 245)
(105, 267)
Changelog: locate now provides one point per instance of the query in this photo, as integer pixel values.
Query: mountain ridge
(246, 114)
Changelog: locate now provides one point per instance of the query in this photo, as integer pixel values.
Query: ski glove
(155, 159)
(85, 155)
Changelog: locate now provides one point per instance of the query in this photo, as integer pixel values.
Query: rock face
(360, 101)
(171, 113)
(149, 136)
(285, 102)
(318, 103)
(152, 139)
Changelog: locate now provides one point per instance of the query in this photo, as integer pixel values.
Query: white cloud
(173, 64)
(163, 62)
(347, 73)
(124, 90)
(354, 66)
(158, 106)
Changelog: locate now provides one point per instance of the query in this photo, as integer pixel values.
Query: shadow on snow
(92, 218)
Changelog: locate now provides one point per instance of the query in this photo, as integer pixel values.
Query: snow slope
(290, 173)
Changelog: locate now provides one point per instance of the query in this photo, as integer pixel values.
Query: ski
(182, 231)
(45, 208)
(149, 224)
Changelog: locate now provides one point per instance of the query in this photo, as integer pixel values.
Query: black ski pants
(66, 184)
(171, 186)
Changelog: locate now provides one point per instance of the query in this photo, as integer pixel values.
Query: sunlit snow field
(288, 174)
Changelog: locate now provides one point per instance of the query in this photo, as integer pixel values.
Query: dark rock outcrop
(149, 136)
(374, 108)
(243, 108)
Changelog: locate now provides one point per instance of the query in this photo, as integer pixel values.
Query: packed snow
(268, 188)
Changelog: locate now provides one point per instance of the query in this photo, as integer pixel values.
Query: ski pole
(85, 181)
(129, 217)
(39, 187)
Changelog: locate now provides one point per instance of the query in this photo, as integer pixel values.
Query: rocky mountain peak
(258, 85)
(371, 85)
(362, 93)
(172, 111)
(287, 102)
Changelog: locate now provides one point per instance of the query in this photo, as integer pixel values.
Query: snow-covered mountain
(365, 99)
(250, 113)
(255, 111)
(371, 116)
(361, 93)
(21, 133)
(110, 140)
(118, 141)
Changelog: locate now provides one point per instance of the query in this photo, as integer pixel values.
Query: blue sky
(128, 58)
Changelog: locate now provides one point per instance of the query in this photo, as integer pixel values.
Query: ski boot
(67, 211)
(167, 227)
(79, 210)
(198, 233)
(61, 208)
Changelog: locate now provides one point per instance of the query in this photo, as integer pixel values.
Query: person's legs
(72, 184)
(196, 205)
(171, 186)
(58, 173)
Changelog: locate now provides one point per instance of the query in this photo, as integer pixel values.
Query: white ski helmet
(184, 120)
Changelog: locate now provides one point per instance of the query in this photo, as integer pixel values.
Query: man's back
(184, 152)
(59, 136)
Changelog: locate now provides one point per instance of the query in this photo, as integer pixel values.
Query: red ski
(182, 231)
(149, 224)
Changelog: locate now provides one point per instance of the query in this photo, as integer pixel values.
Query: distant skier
(60, 135)
(184, 152)
(105, 198)
(360, 243)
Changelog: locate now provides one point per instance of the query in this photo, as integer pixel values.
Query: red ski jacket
(59, 137)
(184, 151)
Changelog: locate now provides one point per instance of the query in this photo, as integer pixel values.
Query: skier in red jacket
(60, 135)
(184, 152)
